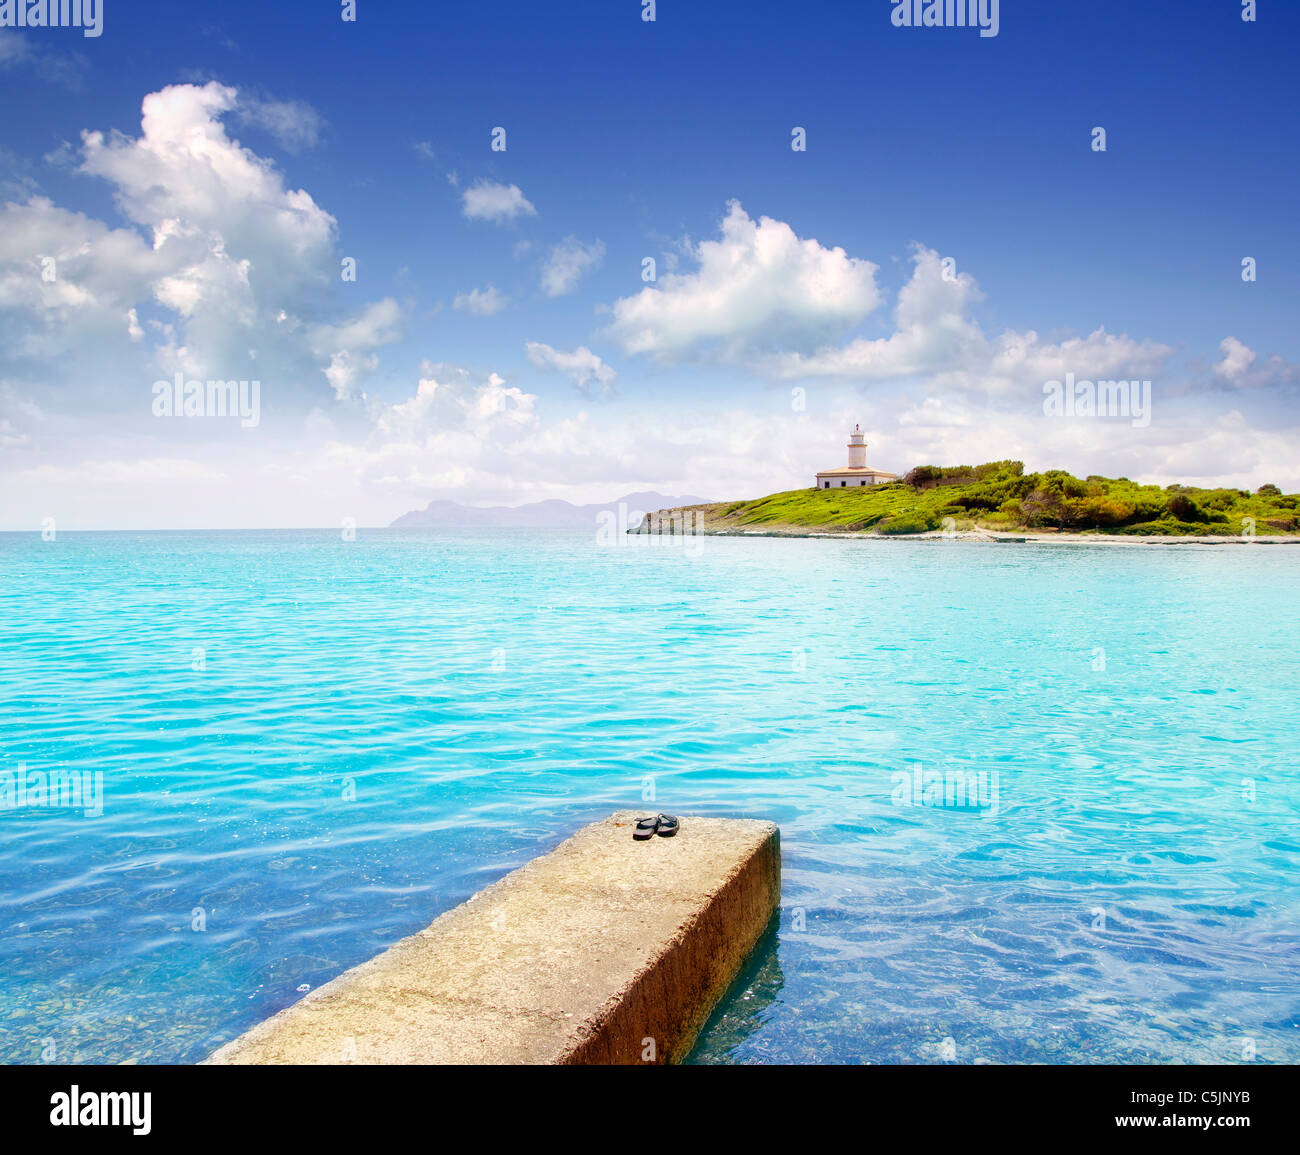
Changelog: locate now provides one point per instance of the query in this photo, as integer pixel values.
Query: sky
(504, 252)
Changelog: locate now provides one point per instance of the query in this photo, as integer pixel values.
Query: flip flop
(645, 828)
(668, 825)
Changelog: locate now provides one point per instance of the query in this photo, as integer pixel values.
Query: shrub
(1097, 511)
(928, 476)
(992, 469)
(915, 521)
(1164, 526)
(1183, 508)
(922, 475)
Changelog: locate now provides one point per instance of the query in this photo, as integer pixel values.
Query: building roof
(855, 471)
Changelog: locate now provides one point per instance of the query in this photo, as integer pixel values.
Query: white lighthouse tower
(857, 448)
(858, 472)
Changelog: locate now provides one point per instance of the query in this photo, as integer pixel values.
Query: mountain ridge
(553, 513)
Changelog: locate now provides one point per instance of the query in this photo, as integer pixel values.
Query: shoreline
(1024, 537)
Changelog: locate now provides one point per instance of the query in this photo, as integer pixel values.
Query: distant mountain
(552, 514)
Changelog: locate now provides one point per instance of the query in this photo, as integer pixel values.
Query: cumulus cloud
(489, 201)
(183, 178)
(462, 435)
(479, 439)
(350, 345)
(64, 67)
(222, 270)
(1240, 368)
(567, 263)
(294, 124)
(933, 332)
(219, 268)
(780, 304)
(454, 418)
(582, 365)
(1236, 362)
(758, 285)
(481, 302)
(64, 269)
(1099, 355)
(936, 335)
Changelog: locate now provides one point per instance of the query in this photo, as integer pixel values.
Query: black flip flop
(645, 828)
(667, 825)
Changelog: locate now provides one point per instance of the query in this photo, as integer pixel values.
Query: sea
(1039, 803)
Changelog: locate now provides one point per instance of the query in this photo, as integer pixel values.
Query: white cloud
(449, 402)
(938, 341)
(759, 285)
(1237, 360)
(489, 201)
(481, 440)
(764, 298)
(1239, 367)
(295, 124)
(350, 345)
(187, 182)
(585, 367)
(933, 331)
(218, 274)
(17, 181)
(221, 270)
(56, 66)
(481, 302)
(1025, 357)
(567, 262)
(235, 246)
(94, 267)
(147, 471)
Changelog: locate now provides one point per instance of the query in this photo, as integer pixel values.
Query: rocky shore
(707, 520)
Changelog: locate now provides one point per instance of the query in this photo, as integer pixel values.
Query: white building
(857, 472)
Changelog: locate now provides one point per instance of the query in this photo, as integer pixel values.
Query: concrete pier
(606, 950)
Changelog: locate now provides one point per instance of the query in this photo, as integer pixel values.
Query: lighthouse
(857, 472)
(857, 448)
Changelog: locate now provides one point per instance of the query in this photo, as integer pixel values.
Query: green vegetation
(1001, 496)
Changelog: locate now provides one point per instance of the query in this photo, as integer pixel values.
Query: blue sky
(562, 373)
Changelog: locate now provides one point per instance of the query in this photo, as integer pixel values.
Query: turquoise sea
(310, 747)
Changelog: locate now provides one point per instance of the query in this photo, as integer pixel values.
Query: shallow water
(379, 728)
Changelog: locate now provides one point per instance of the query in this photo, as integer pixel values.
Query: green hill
(1000, 496)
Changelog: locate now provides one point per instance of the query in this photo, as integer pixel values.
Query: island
(1000, 501)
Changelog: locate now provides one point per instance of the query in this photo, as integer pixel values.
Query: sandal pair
(665, 825)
